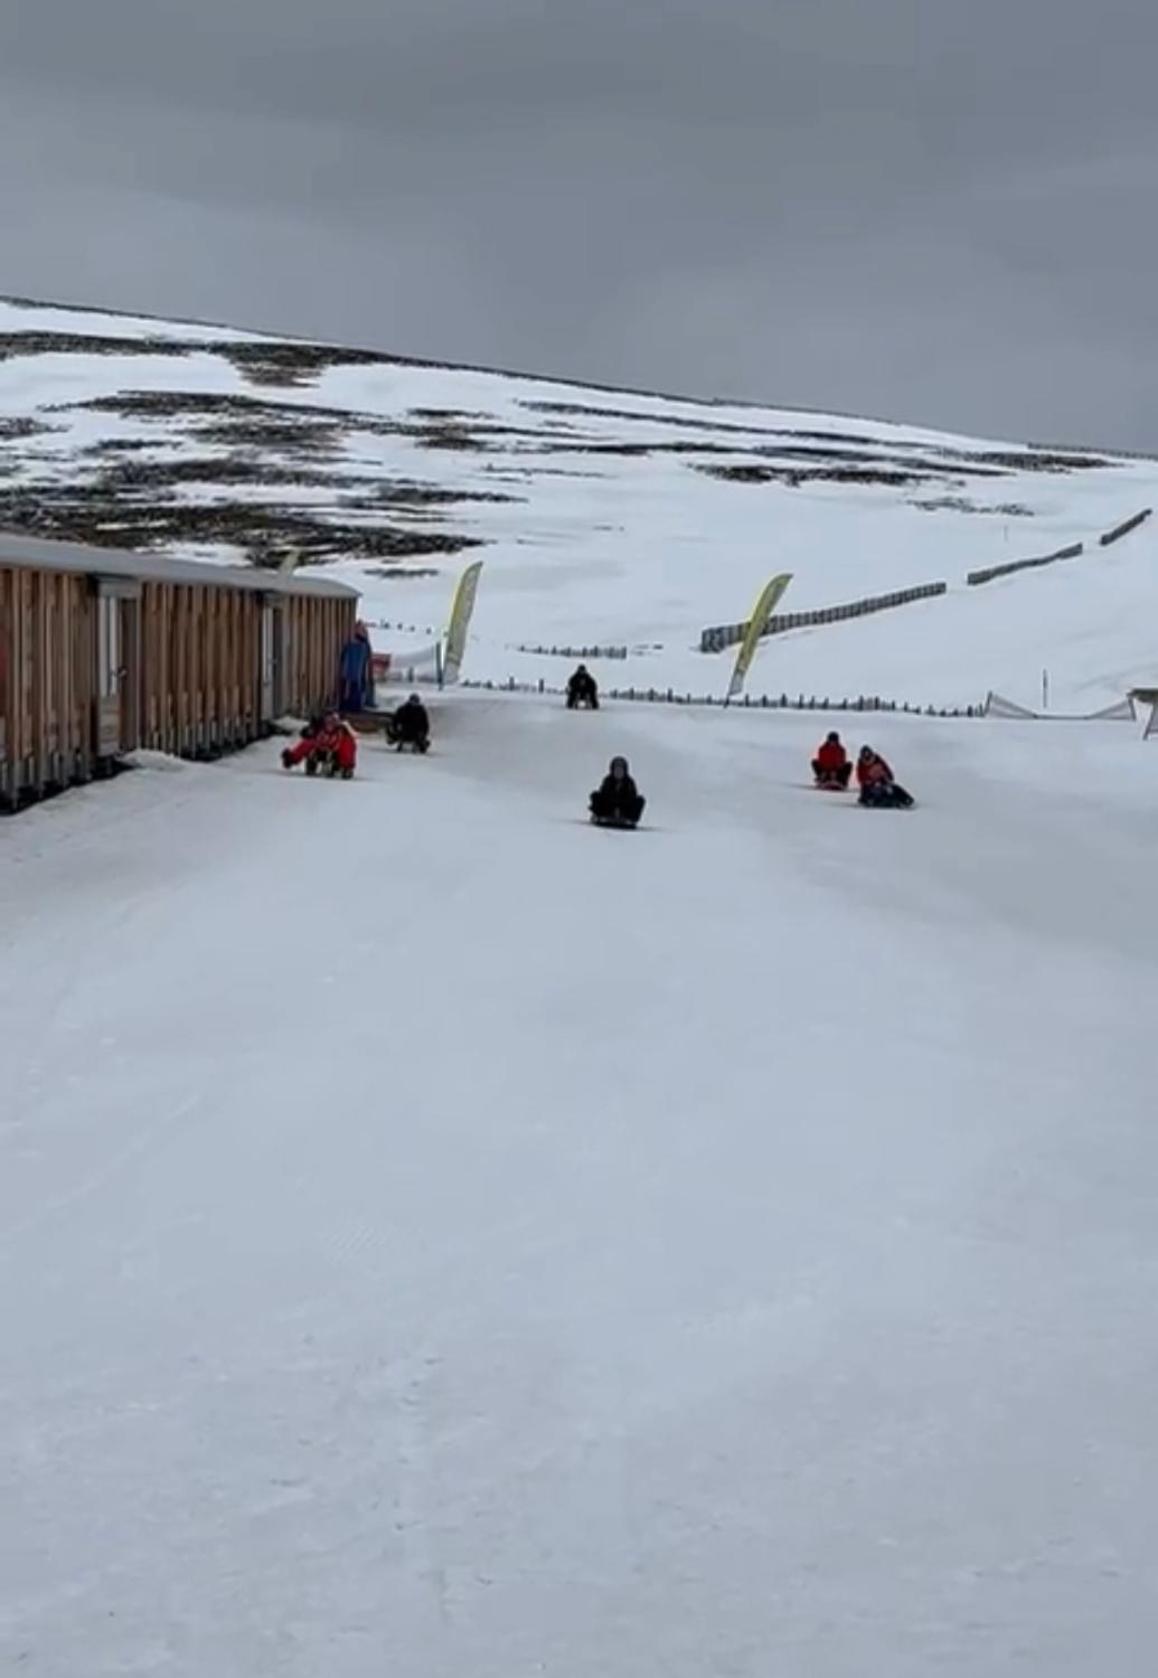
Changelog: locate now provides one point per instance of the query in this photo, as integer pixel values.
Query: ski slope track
(605, 518)
(439, 1238)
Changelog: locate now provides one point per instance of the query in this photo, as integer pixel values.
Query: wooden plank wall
(46, 671)
(314, 634)
(194, 663)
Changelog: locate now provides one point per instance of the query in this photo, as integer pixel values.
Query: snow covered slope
(437, 1238)
(604, 518)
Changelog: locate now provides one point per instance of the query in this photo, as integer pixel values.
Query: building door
(118, 667)
(129, 631)
(273, 659)
(108, 676)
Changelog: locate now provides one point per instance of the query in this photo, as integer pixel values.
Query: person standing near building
(356, 672)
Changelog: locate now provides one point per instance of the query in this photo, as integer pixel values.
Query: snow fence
(989, 572)
(574, 652)
(721, 636)
(748, 702)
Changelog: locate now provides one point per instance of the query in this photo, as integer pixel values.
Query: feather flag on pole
(460, 615)
(766, 603)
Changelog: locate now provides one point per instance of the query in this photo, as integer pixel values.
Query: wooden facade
(103, 652)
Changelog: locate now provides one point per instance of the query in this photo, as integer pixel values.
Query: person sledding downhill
(617, 802)
(831, 765)
(878, 789)
(581, 690)
(327, 746)
(410, 726)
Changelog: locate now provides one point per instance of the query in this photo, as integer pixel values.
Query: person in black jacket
(581, 690)
(410, 725)
(617, 802)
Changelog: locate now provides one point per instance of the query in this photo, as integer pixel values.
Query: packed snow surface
(438, 1238)
(605, 518)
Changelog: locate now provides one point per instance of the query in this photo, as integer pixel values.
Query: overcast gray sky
(935, 210)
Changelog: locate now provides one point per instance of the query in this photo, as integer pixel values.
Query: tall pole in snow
(1045, 690)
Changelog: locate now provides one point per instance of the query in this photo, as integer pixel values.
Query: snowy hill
(606, 519)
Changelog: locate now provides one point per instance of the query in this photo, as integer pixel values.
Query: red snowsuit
(830, 757)
(870, 770)
(343, 742)
(340, 741)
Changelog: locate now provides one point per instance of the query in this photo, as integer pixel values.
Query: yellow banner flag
(460, 615)
(767, 601)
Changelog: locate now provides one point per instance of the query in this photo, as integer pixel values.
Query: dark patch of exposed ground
(288, 364)
(131, 497)
(13, 344)
(132, 475)
(863, 447)
(229, 416)
(92, 513)
(114, 447)
(17, 427)
(959, 504)
(459, 416)
(793, 477)
(272, 362)
(410, 572)
(1039, 461)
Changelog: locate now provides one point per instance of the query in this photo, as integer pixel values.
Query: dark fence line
(766, 702)
(721, 636)
(1073, 551)
(575, 652)
(989, 572)
(406, 628)
(1124, 528)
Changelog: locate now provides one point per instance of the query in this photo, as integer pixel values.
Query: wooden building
(103, 652)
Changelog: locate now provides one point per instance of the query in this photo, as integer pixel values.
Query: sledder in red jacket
(878, 789)
(871, 768)
(830, 765)
(331, 746)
